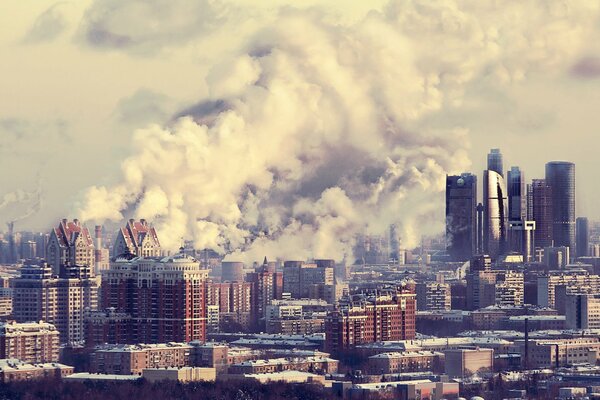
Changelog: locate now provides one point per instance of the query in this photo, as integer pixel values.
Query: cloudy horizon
(175, 112)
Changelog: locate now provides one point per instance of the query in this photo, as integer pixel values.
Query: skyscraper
(539, 209)
(495, 213)
(461, 216)
(560, 176)
(517, 195)
(582, 237)
(494, 162)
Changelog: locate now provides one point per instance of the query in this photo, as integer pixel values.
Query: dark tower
(461, 216)
(517, 195)
(539, 206)
(560, 176)
(582, 237)
(494, 162)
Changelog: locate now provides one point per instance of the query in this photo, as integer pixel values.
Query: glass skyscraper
(494, 162)
(560, 176)
(582, 239)
(517, 195)
(539, 209)
(495, 213)
(461, 216)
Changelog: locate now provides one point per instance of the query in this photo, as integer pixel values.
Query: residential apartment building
(62, 301)
(370, 319)
(30, 342)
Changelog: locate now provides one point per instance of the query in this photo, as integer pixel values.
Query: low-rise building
(553, 353)
(31, 342)
(405, 390)
(287, 376)
(410, 361)
(12, 370)
(322, 365)
(465, 362)
(181, 374)
(296, 326)
(132, 359)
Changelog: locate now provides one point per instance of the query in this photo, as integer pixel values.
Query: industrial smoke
(318, 131)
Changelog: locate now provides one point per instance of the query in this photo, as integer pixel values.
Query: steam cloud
(319, 131)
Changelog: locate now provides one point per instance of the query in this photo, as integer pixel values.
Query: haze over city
(277, 128)
(317, 199)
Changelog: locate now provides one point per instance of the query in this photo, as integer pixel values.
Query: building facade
(495, 214)
(560, 176)
(371, 319)
(164, 298)
(31, 342)
(38, 295)
(461, 216)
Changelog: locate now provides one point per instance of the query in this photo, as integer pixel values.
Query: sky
(262, 127)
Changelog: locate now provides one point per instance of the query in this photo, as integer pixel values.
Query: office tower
(539, 206)
(70, 244)
(137, 238)
(63, 300)
(556, 257)
(521, 238)
(582, 237)
(461, 216)
(158, 301)
(495, 214)
(494, 162)
(517, 195)
(299, 276)
(266, 286)
(368, 319)
(560, 176)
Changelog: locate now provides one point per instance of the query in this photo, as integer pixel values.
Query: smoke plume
(319, 131)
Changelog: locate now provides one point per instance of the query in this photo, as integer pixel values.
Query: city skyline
(546, 90)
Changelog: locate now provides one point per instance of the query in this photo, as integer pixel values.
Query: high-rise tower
(560, 176)
(539, 209)
(582, 237)
(494, 162)
(461, 216)
(517, 195)
(495, 220)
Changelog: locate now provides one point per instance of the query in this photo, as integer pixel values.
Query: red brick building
(30, 342)
(234, 300)
(164, 299)
(368, 319)
(267, 285)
